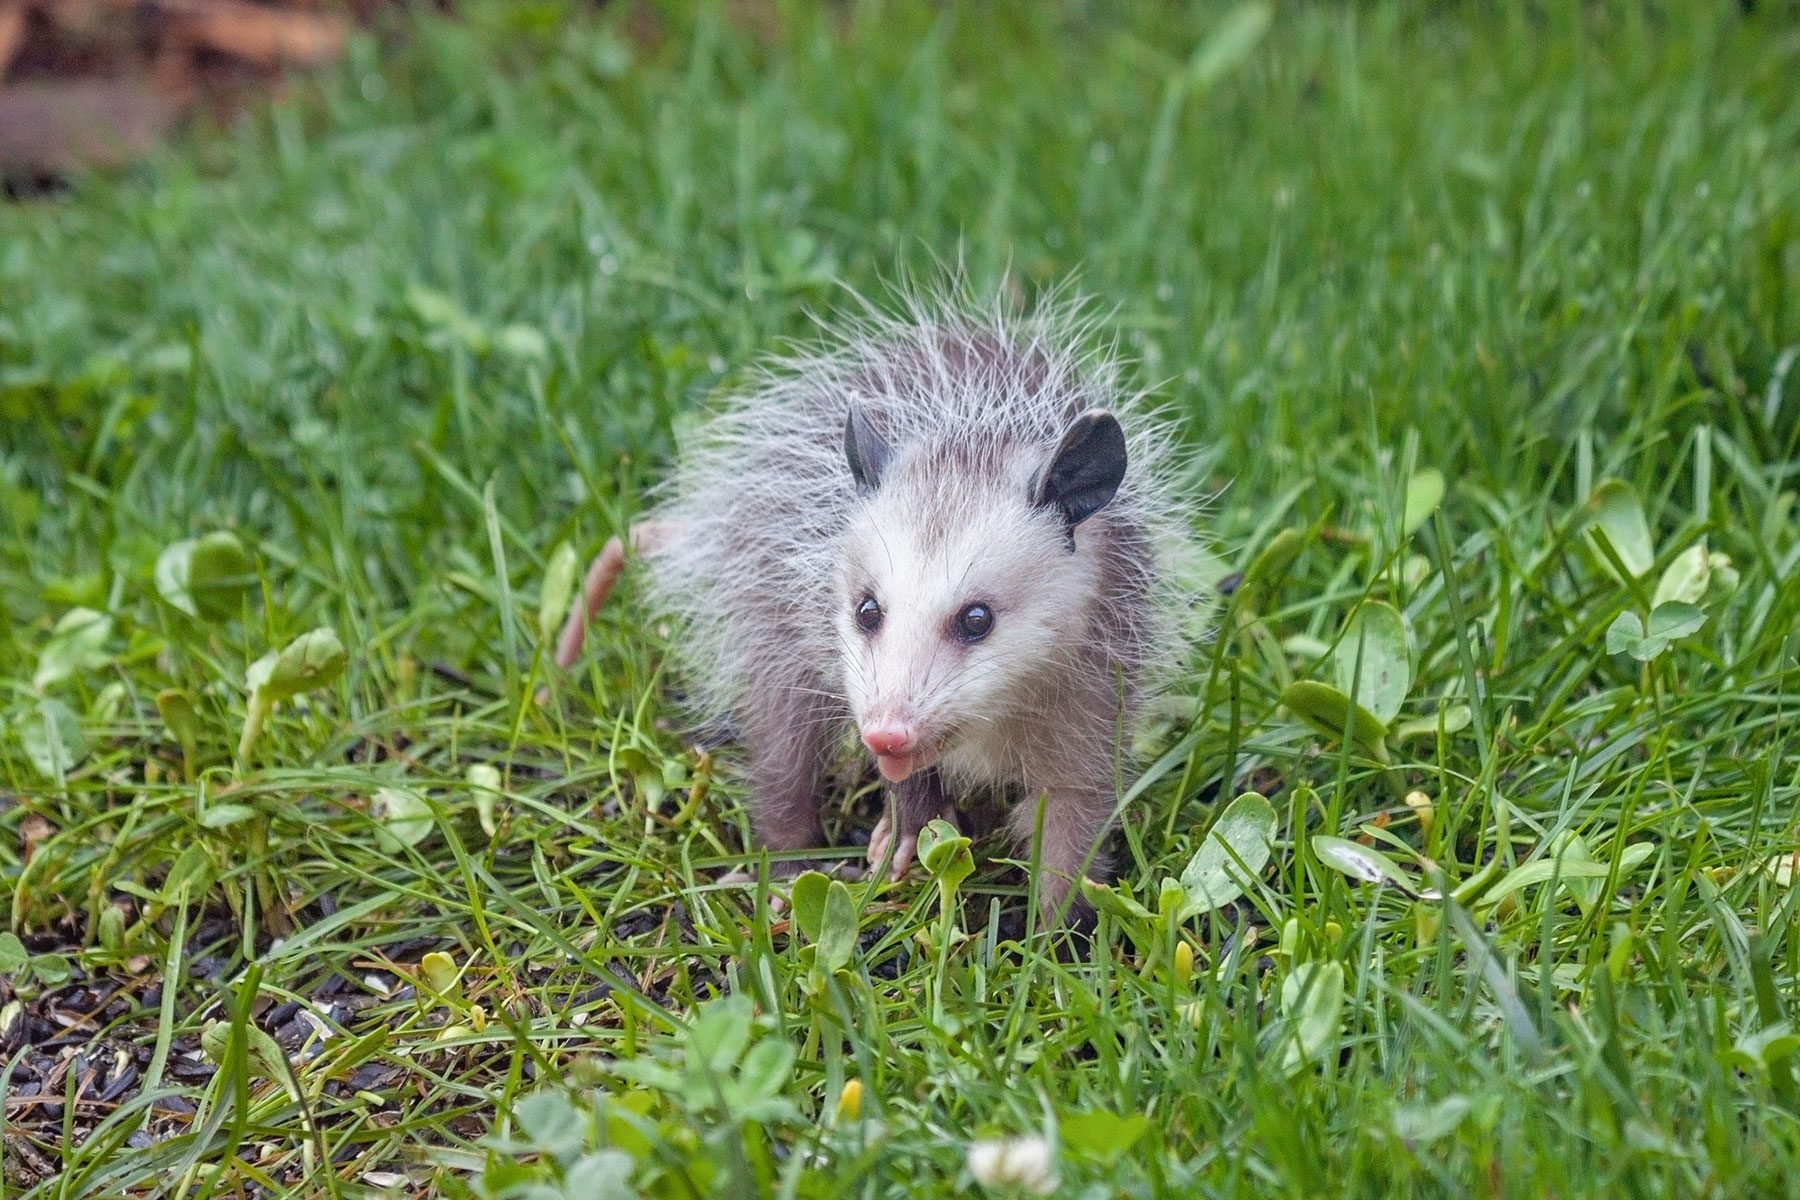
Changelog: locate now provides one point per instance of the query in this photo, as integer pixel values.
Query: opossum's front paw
(903, 847)
(904, 844)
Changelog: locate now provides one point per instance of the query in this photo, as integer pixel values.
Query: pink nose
(890, 738)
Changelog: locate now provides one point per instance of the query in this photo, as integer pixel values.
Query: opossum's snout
(896, 745)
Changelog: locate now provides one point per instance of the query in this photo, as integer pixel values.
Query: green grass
(410, 331)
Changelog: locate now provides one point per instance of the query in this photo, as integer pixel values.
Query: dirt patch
(97, 83)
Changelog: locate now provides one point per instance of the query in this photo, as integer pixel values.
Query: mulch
(76, 1052)
(73, 1054)
(98, 83)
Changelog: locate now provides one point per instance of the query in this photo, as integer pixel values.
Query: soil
(96, 84)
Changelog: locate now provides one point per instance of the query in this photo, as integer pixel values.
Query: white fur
(961, 696)
(768, 530)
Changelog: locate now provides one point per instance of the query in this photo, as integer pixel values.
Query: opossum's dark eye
(868, 615)
(974, 622)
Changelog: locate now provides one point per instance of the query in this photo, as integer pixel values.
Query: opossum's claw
(904, 847)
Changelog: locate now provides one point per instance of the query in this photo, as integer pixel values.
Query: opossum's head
(961, 581)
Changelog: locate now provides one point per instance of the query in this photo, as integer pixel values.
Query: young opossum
(956, 532)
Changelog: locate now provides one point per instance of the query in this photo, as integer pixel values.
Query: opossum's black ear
(867, 453)
(1085, 470)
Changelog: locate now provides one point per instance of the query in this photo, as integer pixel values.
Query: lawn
(1485, 319)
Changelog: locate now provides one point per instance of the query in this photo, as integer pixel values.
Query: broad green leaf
(551, 1123)
(837, 928)
(1544, 869)
(1312, 997)
(172, 576)
(221, 575)
(179, 715)
(1685, 578)
(521, 341)
(221, 816)
(1674, 620)
(1571, 847)
(1229, 44)
(77, 643)
(624, 1132)
(484, 781)
(13, 955)
(1614, 511)
(1455, 718)
(111, 929)
(1428, 1121)
(51, 969)
(600, 1175)
(1375, 633)
(1625, 633)
(1362, 862)
(1424, 492)
(206, 577)
(1669, 622)
(54, 741)
(768, 1069)
(402, 817)
(1766, 1048)
(558, 593)
(806, 900)
(438, 970)
(1269, 568)
(446, 318)
(648, 1073)
(721, 1032)
(1171, 898)
(262, 1052)
(310, 661)
(191, 874)
(1304, 647)
(1696, 576)
(1333, 713)
(1234, 853)
(1101, 1135)
(944, 853)
(1113, 901)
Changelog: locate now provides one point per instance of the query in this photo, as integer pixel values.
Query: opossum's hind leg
(602, 574)
(916, 802)
(1075, 819)
(787, 735)
(787, 738)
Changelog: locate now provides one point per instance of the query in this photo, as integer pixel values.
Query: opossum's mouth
(895, 768)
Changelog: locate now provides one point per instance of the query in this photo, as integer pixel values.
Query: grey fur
(753, 560)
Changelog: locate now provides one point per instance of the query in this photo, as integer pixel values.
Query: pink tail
(602, 574)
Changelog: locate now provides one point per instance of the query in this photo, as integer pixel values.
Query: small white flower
(1027, 1163)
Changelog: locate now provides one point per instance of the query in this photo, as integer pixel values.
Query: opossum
(953, 530)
